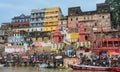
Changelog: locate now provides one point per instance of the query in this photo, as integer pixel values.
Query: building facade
(63, 22)
(97, 20)
(37, 20)
(5, 32)
(52, 16)
(20, 24)
(43, 22)
(109, 45)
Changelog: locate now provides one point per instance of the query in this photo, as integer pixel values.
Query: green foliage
(115, 9)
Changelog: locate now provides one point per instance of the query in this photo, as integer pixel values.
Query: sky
(11, 8)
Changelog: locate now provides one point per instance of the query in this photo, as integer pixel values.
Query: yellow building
(51, 18)
(74, 36)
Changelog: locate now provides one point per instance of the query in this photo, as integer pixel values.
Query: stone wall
(68, 61)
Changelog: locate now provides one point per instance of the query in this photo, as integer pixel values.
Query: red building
(108, 44)
(57, 36)
(20, 24)
(82, 33)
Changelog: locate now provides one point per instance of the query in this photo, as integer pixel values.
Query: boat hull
(2, 65)
(50, 67)
(86, 67)
(61, 67)
(43, 65)
(116, 69)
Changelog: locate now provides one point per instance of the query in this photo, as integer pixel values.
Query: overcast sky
(11, 8)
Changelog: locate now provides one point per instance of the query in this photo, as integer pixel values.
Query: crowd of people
(32, 59)
(101, 60)
(23, 59)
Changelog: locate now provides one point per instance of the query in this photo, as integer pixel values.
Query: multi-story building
(36, 23)
(93, 21)
(37, 20)
(52, 16)
(20, 24)
(97, 20)
(5, 25)
(43, 21)
(5, 32)
(63, 26)
(63, 22)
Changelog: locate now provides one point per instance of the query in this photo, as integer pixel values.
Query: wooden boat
(61, 67)
(43, 65)
(87, 67)
(50, 67)
(2, 65)
(116, 69)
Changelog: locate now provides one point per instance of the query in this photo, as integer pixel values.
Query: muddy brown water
(36, 69)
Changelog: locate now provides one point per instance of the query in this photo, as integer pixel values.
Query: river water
(36, 69)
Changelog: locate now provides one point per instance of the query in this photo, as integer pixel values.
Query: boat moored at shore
(87, 67)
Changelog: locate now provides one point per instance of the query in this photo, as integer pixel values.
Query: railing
(66, 42)
(46, 44)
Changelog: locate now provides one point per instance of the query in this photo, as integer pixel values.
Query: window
(84, 18)
(77, 12)
(76, 18)
(18, 20)
(56, 16)
(36, 29)
(61, 23)
(88, 17)
(104, 44)
(36, 19)
(91, 17)
(32, 19)
(106, 23)
(32, 29)
(71, 19)
(85, 29)
(51, 28)
(110, 44)
(41, 18)
(36, 14)
(61, 28)
(76, 30)
(103, 17)
(34, 25)
(39, 24)
(31, 25)
(41, 29)
(86, 37)
(116, 43)
(95, 24)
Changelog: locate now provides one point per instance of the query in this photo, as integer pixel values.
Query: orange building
(108, 44)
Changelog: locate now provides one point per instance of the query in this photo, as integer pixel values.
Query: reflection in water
(36, 69)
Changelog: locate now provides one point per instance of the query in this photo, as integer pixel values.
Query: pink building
(57, 36)
(73, 24)
(82, 33)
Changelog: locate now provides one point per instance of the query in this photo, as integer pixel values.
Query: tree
(115, 9)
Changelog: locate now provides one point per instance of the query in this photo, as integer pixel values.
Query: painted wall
(16, 39)
(51, 18)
